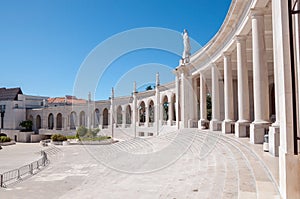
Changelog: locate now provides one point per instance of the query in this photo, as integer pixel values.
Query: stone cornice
(240, 38)
(257, 12)
(227, 54)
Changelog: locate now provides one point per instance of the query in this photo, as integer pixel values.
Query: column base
(215, 125)
(257, 132)
(241, 129)
(227, 127)
(203, 124)
(274, 140)
(192, 124)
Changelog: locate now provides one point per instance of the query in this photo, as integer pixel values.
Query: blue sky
(43, 43)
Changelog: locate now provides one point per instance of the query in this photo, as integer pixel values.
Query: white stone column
(195, 100)
(184, 93)
(203, 106)
(157, 105)
(260, 79)
(54, 121)
(274, 139)
(289, 170)
(65, 123)
(170, 119)
(243, 88)
(146, 116)
(177, 87)
(215, 98)
(123, 116)
(134, 109)
(162, 110)
(112, 113)
(228, 94)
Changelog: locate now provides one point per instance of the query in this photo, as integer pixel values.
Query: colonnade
(257, 68)
(254, 49)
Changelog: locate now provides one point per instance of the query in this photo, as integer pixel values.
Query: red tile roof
(66, 100)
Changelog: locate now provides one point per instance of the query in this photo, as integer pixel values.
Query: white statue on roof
(187, 47)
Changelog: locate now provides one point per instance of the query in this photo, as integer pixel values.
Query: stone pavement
(19, 154)
(184, 164)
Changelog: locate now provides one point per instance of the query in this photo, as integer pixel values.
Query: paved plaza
(184, 164)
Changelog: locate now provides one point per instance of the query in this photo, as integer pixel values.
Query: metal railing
(24, 171)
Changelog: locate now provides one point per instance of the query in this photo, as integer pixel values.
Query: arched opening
(119, 115)
(151, 111)
(82, 118)
(128, 114)
(97, 117)
(142, 112)
(50, 121)
(73, 120)
(174, 107)
(165, 109)
(59, 121)
(38, 122)
(208, 106)
(105, 118)
(272, 103)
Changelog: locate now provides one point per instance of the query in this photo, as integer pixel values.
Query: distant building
(16, 104)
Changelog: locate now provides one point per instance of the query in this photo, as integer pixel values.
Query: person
(187, 47)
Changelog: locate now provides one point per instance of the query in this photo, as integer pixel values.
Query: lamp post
(2, 111)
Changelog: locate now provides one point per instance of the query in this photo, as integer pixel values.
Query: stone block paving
(183, 164)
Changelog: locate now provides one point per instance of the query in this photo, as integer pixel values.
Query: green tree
(82, 131)
(27, 124)
(148, 88)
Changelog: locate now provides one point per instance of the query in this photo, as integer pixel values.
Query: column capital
(257, 12)
(227, 54)
(201, 73)
(240, 38)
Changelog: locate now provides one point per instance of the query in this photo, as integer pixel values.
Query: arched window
(165, 108)
(38, 122)
(119, 115)
(50, 121)
(128, 114)
(73, 120)
(59, 121)
(97, 118)
(174, 107)
(82, 118)
(105, 117)
(151, 111)
(142, 112)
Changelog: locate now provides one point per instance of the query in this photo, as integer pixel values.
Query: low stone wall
(38, 137)
(18, 136)
(51, 132)
(7, 143)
